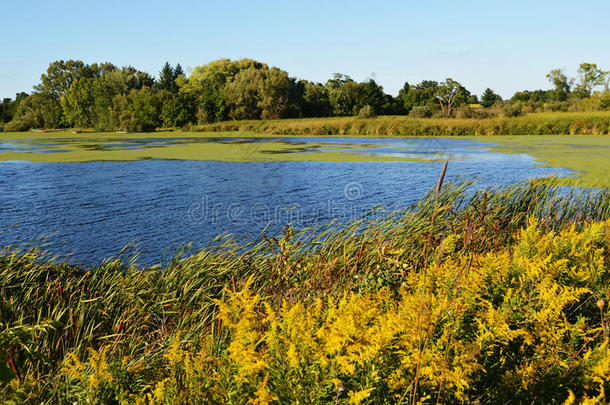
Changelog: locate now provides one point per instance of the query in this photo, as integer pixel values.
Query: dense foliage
(487, 298)
(105, 97)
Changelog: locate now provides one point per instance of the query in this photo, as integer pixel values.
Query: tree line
(73, 94)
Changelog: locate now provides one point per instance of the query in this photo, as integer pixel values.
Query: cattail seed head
(601, 304)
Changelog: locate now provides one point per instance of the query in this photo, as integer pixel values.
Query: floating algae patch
(588, 155)
(183, 146)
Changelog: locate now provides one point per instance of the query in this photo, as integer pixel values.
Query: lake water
(93, 209)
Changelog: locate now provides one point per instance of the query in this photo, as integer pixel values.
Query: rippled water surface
(93, 209)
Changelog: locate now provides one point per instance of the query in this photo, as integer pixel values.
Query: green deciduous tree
(8, 107)
(36, 111)
(402, 98)
(534, 98)
(451, 94)
(340, 94)
(139, 110)
(60, 75)
(211, 105)
(374, 97)
(112, 83)
(274, 93)
(338, 80)
(562, 85)
(78, 103)
(210, 85)
(316, 101)
(219, 73)
(135, 79)
(177, 109)
(105, 88)
(420, 95)
(242, 94)
(589, 77)
(340, 102)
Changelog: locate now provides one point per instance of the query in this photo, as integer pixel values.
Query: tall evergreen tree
(167, 80)
(178, 71)
(489, 98)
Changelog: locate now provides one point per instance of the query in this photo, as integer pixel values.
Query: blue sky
(505, 45)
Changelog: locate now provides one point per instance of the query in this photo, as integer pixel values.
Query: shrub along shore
(556, 123)
(501, 296)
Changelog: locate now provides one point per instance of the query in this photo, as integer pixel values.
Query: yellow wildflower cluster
(95, 376)
(505, 317)
(527, 323)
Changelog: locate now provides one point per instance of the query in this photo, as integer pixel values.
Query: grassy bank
(561, 123)
(485, 299)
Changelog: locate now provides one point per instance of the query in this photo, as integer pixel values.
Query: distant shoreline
(553, 123)
(556, 123)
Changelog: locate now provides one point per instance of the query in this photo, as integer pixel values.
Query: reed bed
(592, 123)
(201, 329)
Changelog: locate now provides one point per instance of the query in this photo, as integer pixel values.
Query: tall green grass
(594, 123)
(49, 309)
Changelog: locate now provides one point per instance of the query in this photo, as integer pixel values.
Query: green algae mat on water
(588, 155)
(239, 147)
